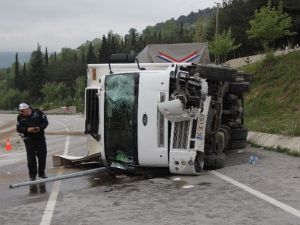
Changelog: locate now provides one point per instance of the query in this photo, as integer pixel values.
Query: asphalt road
(241, 193)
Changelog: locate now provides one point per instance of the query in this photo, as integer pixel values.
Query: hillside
(191, 18)
(273, 104)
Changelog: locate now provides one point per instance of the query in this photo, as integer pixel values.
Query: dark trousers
(36, 149)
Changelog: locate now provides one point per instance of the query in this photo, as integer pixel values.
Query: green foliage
(222, 45)
(79, 87)
(36, 74)
(236, 14)
(104, 51)
(46, 57)
(273, 104)
(91, 57)
(10, 98)
(54, 93)
(200, 31)
(17, 77)
(67, 55)
(270, 24)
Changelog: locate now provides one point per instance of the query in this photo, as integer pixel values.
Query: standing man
(31, 124)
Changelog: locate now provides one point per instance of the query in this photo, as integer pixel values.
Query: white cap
(23, 106)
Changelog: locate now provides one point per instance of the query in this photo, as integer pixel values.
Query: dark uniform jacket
(36, 119)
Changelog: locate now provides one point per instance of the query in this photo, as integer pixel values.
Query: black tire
(214, 161)
(199, 162)
(231, 99)
(220, 142)
(216, 72)
(238, 87)
(209, 162)
(238, 144)
(220, 160)
(239, 134)
(233, 125)
(209, 119)
(227, 132)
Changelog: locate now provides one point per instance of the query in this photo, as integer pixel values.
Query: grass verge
(273, 103)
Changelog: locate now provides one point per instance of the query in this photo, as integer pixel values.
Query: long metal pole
(63, 177)
(217, 30)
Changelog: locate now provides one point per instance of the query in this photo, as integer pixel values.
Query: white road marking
(49, 210)
(258, 194)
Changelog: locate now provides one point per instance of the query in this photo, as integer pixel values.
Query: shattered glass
(120, 94)
(120, 117)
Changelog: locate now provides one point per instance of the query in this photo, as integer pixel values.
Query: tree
(67, 55)
(169, 31)
(79, 88)
(269, 24)
(133, 37)
(54, 93)
(91, 57)
(222, 45)
(104, 51)
(10, 98)
(75, 57)
(24, 78)
(46, 56)
(37, 74)
(199, 35)
(18, 82)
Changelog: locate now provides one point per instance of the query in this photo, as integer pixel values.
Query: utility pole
(217, 31)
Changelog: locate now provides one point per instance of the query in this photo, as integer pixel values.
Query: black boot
(43, 176)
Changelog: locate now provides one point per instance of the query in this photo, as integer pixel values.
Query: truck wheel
(233, 125)
(220, 160)
(210, 115)
(214, 161)
(199, 162)
(220, 142)
(239, 134)
(238, 144)
(227, 132)
(231, 99)
(238, 87)
(209, 162)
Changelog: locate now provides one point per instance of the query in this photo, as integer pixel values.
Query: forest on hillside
(59, 79)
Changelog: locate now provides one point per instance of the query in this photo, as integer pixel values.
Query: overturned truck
(165, 108)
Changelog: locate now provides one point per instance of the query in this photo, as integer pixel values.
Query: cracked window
(121, 96)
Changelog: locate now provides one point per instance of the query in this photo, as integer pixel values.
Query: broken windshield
(121, 96)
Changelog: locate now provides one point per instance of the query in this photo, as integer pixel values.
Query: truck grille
(181, 134)
(92, 112)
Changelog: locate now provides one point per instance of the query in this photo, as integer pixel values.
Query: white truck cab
(140, 115)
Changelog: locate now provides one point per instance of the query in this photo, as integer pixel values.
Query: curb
(274, 141)
(239, 62)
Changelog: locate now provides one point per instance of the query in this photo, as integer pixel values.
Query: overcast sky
(69, 23)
